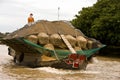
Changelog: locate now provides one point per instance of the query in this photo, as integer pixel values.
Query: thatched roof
(49, 27)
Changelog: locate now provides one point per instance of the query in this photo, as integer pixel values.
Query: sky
(14, 13)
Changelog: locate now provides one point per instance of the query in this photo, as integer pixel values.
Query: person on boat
(30, 19)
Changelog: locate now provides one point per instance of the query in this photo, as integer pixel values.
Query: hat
(31, 14)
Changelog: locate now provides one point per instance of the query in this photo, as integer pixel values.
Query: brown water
(105, 69)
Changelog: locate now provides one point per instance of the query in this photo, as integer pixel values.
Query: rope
(55, 55)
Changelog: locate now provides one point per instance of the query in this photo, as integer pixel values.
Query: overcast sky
(14, 13)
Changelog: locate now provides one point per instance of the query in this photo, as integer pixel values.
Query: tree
(101, 21)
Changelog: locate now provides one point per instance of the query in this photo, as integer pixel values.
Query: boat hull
(31, 55)
(33, 61)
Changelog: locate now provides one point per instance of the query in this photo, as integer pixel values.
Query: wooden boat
(61, 54)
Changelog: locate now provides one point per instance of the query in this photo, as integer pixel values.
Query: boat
(51, 43)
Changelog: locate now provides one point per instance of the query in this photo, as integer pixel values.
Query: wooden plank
(68, 44)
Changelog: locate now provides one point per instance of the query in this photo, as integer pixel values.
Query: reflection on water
(105, 69)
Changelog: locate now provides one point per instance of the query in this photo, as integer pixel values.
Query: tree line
(101, 21)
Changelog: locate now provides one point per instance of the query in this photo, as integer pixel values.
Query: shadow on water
(110, 52)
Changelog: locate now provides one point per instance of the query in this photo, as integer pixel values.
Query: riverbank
(110, 51)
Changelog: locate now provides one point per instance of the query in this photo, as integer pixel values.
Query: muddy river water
(104, 69)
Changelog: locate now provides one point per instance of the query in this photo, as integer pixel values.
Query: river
(104, 69)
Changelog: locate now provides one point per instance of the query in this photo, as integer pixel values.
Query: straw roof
(49, 27)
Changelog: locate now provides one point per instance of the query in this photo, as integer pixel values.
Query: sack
(43, 38)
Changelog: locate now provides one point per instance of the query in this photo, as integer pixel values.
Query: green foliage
(101, 21)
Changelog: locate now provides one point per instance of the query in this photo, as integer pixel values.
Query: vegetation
(1, 35)
(101, 21)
